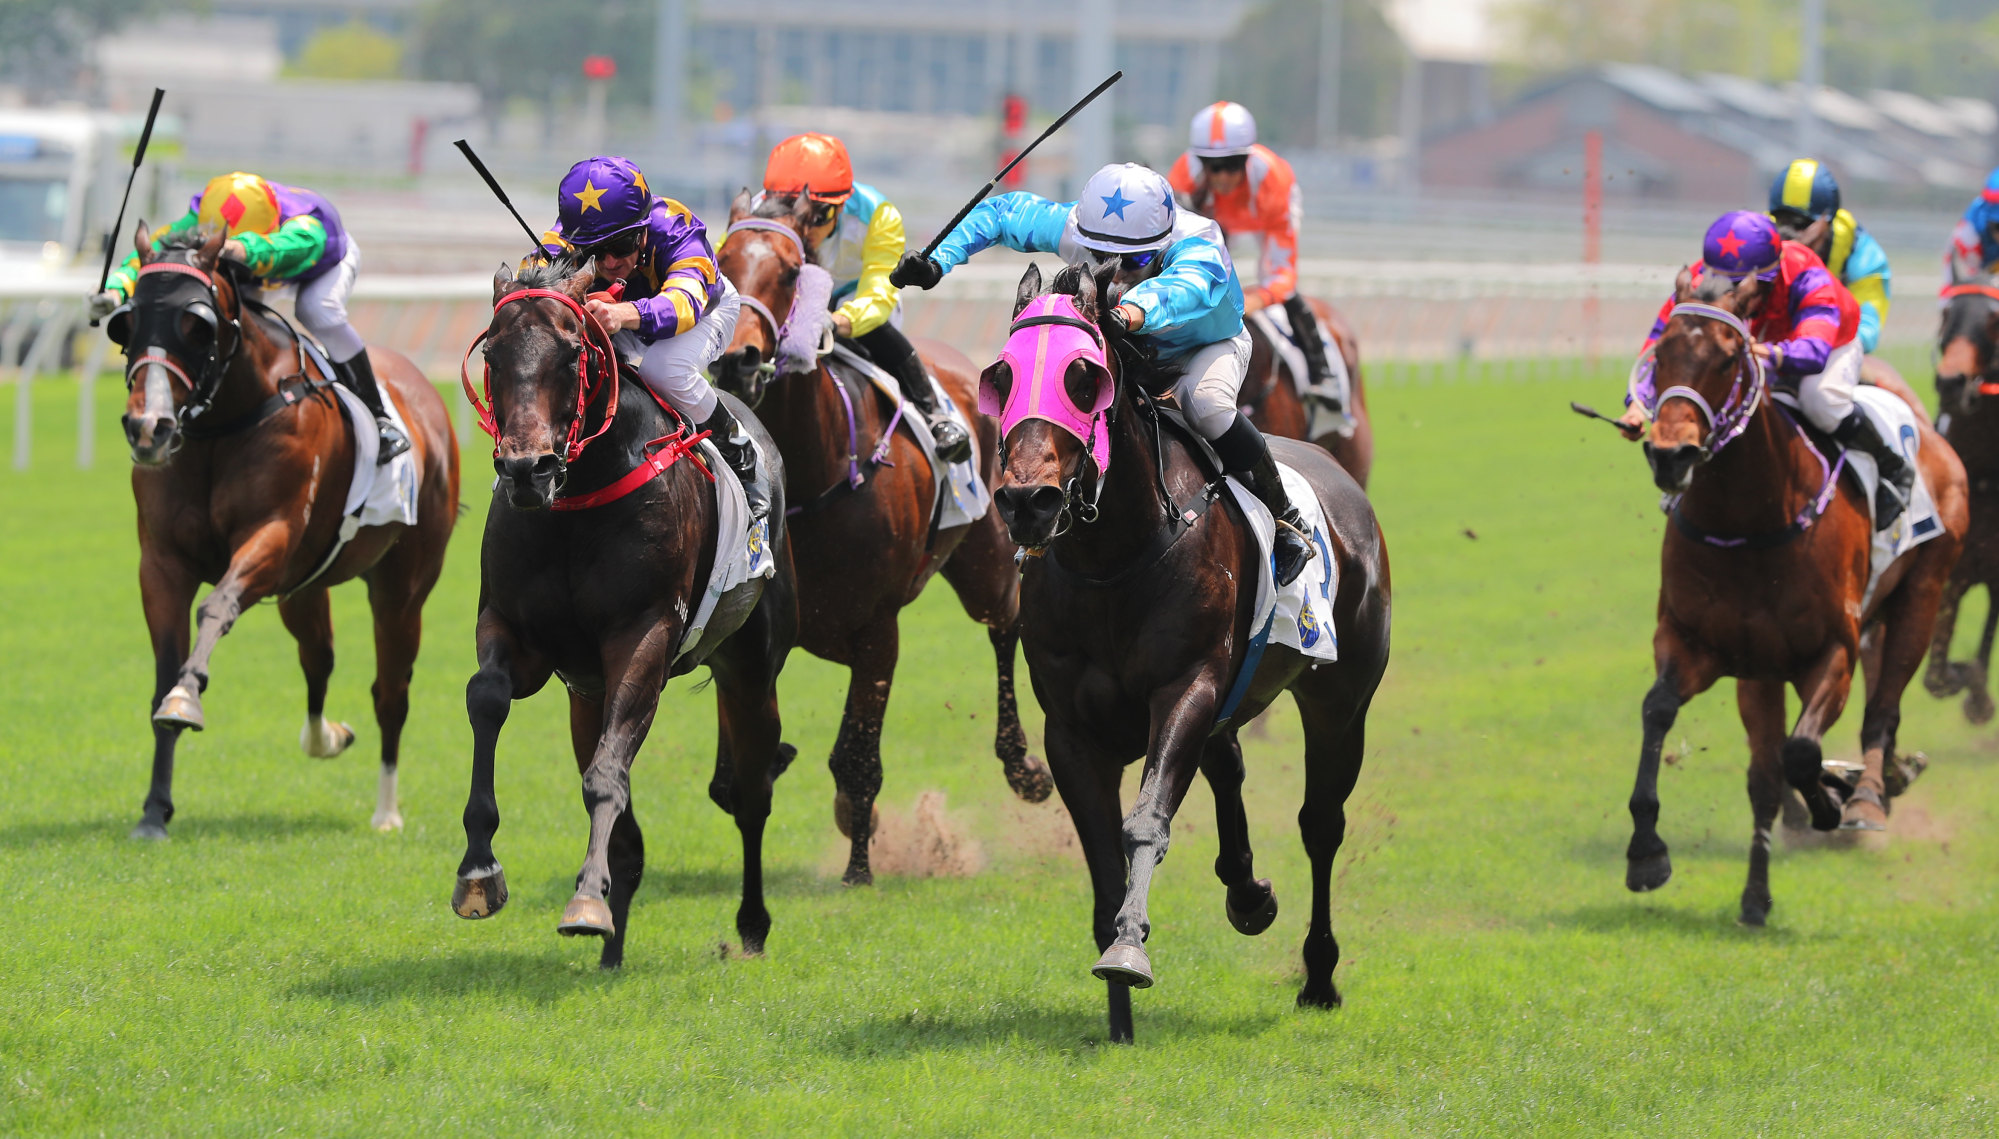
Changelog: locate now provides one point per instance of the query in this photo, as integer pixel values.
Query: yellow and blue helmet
(1805, 190)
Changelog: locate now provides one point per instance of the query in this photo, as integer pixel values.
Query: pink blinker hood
(1048, 336)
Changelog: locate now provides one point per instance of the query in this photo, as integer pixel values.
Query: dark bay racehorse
(1967, 377)
(242, 460)
(1136, 621)
(862, 533)
(1764, 570)
(593, 565)
(1270, 396)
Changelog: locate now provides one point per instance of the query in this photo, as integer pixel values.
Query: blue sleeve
(1023, 222)
(1193, 283)
(1868, 278)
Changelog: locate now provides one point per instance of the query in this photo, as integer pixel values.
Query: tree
(354, 50)
(42, 42)
(534, 49)
(1272, 67)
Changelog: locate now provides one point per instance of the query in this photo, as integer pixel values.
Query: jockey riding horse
(1804, 202)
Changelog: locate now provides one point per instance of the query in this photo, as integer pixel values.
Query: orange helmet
(239, 203)
(813, 164)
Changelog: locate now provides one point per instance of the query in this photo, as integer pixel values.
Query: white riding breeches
(677, 366)
(321, 306)
(1827, 397)
(1210, 380)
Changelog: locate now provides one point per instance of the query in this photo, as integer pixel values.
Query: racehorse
(592, 568)
(1270, 395)
(242, 461)
(864, 507)
(1965, 375)
(1136, 619)
(1764, 578)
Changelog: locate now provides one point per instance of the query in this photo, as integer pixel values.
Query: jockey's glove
(918, 270)
(104, 303)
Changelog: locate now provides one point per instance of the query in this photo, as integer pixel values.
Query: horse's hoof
(1643, 875)
(181, 708)
(858, 876)
(1321, 997)
(843, 811)
(387, 822)
(1753, 916)
(326, 738)
(1902, 770)
(1804, 767)
(1252, 922)
(1029, 777)
(586, 917)
(1126, 964)
(1861, 815)
(1978, 706)
(150, 831)
(480, 897)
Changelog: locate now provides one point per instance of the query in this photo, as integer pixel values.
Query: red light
(1013, 114)
(599, 67)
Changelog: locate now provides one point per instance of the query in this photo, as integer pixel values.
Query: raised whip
(138, 156)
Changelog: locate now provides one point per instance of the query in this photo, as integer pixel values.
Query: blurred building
(1715, 139)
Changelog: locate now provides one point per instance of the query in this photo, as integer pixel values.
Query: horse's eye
(1081, 384)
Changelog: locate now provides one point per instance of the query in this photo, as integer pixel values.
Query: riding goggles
(618, 245)
(1133, 262)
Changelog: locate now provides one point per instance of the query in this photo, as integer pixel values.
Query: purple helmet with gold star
(600, 198)
(1741, 243)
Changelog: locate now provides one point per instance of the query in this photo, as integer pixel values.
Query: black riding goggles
(1227, 164)
(1134, 262)
(617, 245)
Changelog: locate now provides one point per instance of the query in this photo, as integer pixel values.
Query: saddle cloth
(742, 551)
(377, 495)
(1896, 421)
(1300, 615)
(1275, 322)
(961, 494)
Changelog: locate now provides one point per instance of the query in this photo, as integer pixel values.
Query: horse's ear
(739, 206)
(578, 284)
(1028, 289)
(140, 243)
(1683, 285)
(1086, 292)
(503, 282)
(1742, 298)
(211, 249)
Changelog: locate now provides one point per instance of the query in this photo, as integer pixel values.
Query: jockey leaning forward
(676, 313)
(1806, 328)
(1225, 174)
(1974, 243)
(1804, 202)
(290, 238)
(1183, 301)
(857, 238)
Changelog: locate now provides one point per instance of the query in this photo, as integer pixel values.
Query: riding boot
(359, 377)
(741, 455)
(1305, 330)
(893, 351)
(1244, 450)
(1897, 485)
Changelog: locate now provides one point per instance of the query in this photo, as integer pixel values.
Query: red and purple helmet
(600, 198)
(1741, 243)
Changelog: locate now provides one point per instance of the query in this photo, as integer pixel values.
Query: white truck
(61, 174)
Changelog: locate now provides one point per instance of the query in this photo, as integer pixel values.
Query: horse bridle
(768, 368)
(597, 359)
(1741, 403)
(207, 381)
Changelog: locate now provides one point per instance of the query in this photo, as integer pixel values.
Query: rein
(1814, 509)
(597, 361)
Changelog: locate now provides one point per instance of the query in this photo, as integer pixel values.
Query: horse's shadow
(663, 884)
(1625, 919)
(1056, 1029)
(508, 976)
(259, 826)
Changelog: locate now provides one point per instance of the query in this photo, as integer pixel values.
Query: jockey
(857, 236)
(1229, 176)
(1183, 301)
(290, 238)
(1806, 333)
(1806, 194)
(1974, 244)
(676, 312)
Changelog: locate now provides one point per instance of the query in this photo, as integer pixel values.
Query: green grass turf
(277, 965)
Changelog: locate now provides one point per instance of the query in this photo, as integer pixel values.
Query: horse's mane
(777, 207)
(183, 240)
(549, 274)
(1712, 288)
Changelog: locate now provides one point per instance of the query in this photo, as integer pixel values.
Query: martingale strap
(672, 448)
(598, 355)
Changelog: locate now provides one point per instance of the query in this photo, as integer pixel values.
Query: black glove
(918, 270)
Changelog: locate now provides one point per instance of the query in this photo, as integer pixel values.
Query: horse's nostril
(1045, 500)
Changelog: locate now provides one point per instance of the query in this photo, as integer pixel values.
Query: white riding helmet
(1221, 130)
(1125, 208)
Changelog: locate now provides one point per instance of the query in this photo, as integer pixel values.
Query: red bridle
(597, 364)
(1989, 292)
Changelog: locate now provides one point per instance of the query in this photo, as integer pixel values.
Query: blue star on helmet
(1116, 202)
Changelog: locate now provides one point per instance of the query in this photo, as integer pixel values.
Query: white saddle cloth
(742, 551)
(1896, 421)
(377, 495)
(1275, 321)
(1299, 615)
(963, 494)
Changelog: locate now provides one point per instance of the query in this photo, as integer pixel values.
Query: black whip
(138, 156)
(493, 184)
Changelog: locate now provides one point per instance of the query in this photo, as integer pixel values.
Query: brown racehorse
(597, 586)
(1270, 396)
(865, 551)
(1764, 572)
(1136, 621)
(242, 461)
(1967, 376)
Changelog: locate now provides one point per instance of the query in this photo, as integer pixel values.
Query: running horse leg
(1900, 639)
(308, 617)
(506, 673)
(856, 762)
(1682, 675)
(746, 668)
(397, 588)
(1089, 782)
(1249, 901)
(167, 589)
(1823, 688)
(627, 853)
(1334, 749)
(253, 575)
(1761, 704)
(1944, 677)
(1978, 701)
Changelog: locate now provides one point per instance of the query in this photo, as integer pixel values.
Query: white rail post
(55, 325)
(86, 405)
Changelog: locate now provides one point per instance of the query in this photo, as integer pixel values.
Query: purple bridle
(1733, 418)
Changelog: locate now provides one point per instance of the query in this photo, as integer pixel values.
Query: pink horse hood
(1047, 337)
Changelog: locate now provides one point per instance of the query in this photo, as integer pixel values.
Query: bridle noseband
(596, 365)
(1743, 398)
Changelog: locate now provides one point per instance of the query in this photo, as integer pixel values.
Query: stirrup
(954, 443)
(393, 441)
(1290, 538)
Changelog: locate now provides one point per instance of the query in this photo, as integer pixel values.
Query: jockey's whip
(138, 156)
(493, 184)
(1588, 412)
(1008, 168)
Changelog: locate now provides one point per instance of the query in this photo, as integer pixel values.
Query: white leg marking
(323, 739)
(387, 817)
